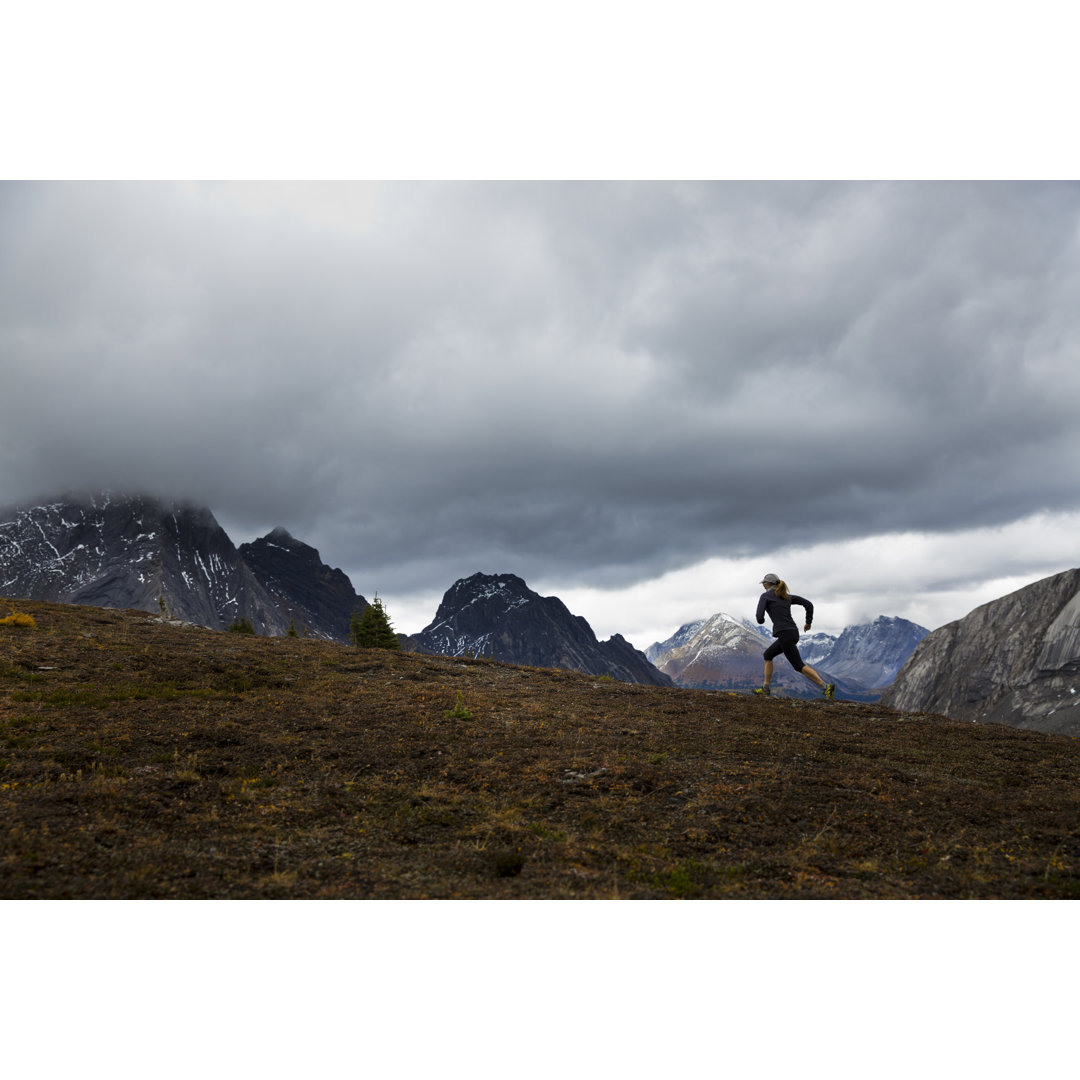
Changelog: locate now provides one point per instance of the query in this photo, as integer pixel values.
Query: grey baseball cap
(770, 579)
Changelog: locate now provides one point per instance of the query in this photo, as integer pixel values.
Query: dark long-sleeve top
(780, 611)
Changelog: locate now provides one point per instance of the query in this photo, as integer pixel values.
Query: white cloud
(929, 579)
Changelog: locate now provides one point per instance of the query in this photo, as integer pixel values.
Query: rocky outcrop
(318, 600)
(1013, 661)
(499, 616)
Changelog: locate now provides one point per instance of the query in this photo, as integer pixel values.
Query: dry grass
(140, 759)
(18, 618)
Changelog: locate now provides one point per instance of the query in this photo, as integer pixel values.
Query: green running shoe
(764, 691)
(830, 689)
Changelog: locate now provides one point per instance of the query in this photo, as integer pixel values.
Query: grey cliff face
(497, 615)
(1013, 661)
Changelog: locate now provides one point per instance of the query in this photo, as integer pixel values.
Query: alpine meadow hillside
(142, 758)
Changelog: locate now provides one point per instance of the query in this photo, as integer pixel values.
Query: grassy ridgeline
(139, 759)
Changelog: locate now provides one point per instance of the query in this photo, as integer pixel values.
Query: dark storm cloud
(597, 382)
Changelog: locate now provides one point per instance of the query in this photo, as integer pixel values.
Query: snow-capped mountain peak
(725, 651)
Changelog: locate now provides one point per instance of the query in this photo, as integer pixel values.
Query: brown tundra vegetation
(141, 759)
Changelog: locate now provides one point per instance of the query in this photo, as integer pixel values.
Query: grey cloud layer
(596, 382)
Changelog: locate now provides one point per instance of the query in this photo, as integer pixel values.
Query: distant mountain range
(1014, 661)
(715, 653)
(724, 652)
(139, 552)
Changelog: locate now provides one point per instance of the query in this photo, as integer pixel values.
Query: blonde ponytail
(782, 591)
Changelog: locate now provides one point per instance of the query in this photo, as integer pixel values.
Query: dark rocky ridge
(1015, 660)
(144, 553)
(499, 616)
(319, 600)
(138, 552)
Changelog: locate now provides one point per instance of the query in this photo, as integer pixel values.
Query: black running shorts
(788, 644)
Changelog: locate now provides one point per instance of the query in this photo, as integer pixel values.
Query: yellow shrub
(17, 618)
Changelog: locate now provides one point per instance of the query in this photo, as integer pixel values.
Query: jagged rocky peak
(481, 588)
(498, 615)
(469, 610)
(716, 629)
(1015, 660)
(281, 537)
(139, 551)
(284, 540)
(281, 540)
(316, 599)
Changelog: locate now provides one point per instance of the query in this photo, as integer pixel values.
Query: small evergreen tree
(291, 632)
(241, 626)
(372, 630)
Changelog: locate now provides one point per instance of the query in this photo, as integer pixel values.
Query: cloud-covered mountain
(499, 616)
(139, 552)
(1013, 661)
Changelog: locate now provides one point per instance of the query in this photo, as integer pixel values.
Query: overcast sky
(637, 396)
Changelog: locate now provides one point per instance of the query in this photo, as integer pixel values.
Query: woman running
(777, 601)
